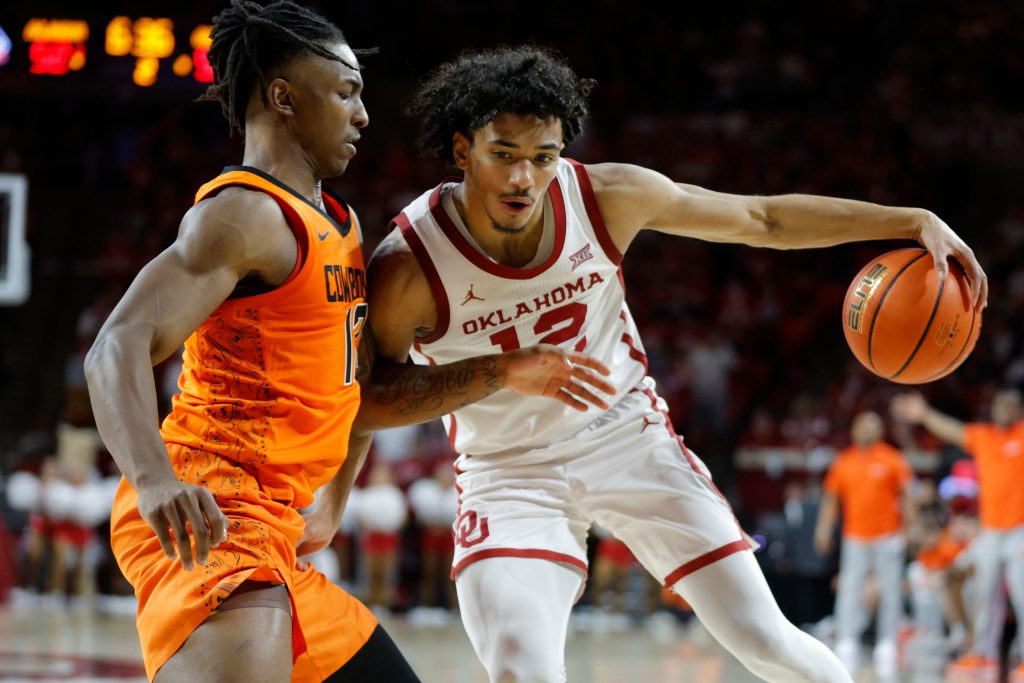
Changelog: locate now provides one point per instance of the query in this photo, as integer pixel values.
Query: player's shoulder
(232, 207)
(235, 224)
(393, 250)
(838, 465)
(888, 450)
(894, 456)
(394, 266)
(977, 430)
(611, 176)
(845, 454)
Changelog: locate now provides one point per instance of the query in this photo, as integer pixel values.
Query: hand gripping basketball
(942, 243)
(910, 322)
(566, 376)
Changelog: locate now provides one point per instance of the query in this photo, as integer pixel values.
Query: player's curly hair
(249, 40)
(465, 94)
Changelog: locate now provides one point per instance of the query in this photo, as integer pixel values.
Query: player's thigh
(656, 496)
(378, 661)
(733, 601)
(855, 561)
(248, 638)
(890, 557)
(334, 625)
(987, 561)
(1013, 552)
(519, 511)
(518, 608)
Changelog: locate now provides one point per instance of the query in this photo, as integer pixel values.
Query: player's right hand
(317, 534)
(169, 505)
(823, 544)
(566, 376)
(910, 407)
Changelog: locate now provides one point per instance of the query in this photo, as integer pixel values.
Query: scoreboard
(58, 46)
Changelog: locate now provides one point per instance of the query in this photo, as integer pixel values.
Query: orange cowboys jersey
(268, 381)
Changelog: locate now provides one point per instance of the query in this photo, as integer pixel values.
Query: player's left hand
(317, 535)
(941, 242)
(566, 376)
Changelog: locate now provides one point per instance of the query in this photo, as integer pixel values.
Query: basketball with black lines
(905, 324)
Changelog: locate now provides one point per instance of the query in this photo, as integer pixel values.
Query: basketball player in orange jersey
(996, 553)
(869, 479)
(526, 249)
(265, 285)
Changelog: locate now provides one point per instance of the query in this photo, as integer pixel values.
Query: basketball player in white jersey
(526, 250)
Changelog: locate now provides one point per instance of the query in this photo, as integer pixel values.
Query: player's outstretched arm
(632, 198)
(323, 522)
(168, 300)
(398, 393)
(913, 409)
(824, 529)
(331, 499)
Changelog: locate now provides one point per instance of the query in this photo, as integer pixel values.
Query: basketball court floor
(53, 643)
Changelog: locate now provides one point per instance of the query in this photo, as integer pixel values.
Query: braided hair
(465, 94)
(249, 40)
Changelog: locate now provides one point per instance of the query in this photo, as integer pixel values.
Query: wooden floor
(82, 643)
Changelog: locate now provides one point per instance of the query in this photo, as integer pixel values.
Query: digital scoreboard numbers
(148, 40)
(56, 46)
(197, 64)
(59, 46)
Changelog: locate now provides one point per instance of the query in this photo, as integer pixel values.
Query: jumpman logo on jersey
(647, 423)
(470, 296)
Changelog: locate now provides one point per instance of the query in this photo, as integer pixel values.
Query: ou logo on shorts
(470, 530)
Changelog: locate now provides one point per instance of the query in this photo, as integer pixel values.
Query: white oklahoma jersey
(535, 473)
(572, 296)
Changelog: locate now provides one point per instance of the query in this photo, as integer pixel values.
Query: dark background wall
(900, 102)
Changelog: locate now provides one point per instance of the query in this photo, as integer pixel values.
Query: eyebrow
(355, 82)
(506, 143)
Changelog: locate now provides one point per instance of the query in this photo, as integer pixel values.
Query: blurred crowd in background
(905, 103)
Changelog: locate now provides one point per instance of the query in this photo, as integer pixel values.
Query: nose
(521, 175)
(360, 118)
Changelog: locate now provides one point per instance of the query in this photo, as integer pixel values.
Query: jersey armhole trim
(594, 213)
(342, 227)
(430, 272)
(343, 215)
(300, 230)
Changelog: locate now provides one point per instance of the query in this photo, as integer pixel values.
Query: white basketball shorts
(628, 471)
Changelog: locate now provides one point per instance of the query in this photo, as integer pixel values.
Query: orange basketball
(903, 324)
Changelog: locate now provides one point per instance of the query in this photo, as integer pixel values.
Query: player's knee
(527, 673)
(255, 663)
(763, 642)
(518, 660)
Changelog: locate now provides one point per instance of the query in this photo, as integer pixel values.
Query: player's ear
(460, 150)
(280, 97)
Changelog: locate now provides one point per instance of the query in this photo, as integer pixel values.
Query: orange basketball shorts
(328, 625)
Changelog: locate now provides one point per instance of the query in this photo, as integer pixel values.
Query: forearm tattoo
(436, 390)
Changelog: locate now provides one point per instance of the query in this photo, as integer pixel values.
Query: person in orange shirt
(998, 450)
(868, 480)
(265, 285)
(936, 576)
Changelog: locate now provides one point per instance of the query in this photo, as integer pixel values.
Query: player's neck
(285, 162)
(513, 249)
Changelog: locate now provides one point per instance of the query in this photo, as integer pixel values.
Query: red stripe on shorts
(519, 552)
(704, 560)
